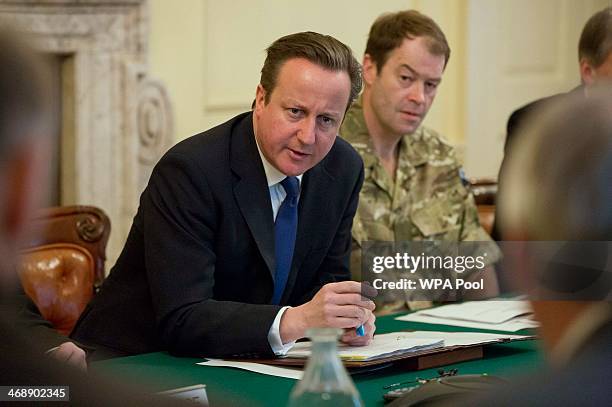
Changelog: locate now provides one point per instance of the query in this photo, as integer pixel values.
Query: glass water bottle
(325, 381)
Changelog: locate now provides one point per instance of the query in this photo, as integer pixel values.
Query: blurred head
(403, 64)
(555, 208)
(25, 120)
(595, 48)
(559, 180)
(308, 82)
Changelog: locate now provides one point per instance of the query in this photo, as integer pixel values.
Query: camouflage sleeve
(471, 231)
(358, 235)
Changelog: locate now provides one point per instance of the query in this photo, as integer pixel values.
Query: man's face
(297, 127)
(401, 93)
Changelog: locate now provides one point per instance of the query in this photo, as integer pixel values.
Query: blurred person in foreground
(24, 115)
(25, 142)
(558, 188)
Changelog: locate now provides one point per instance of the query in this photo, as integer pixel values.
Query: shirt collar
(273, 175)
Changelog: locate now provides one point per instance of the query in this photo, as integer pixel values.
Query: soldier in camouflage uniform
(412, 188)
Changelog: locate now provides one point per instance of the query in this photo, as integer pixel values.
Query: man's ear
(25, 181)
(260, 99)
(587, 72)
(369, 69)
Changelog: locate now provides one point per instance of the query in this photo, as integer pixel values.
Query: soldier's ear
(369, 69)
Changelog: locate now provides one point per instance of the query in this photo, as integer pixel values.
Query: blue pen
(360, 330)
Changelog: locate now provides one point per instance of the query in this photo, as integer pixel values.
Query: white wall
(518, 51)
(210, 52)
(504, 54)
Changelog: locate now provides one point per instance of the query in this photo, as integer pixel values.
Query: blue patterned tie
(285, 229)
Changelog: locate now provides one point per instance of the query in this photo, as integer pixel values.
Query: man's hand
(336, 305)
(71, 354)
(350, 336)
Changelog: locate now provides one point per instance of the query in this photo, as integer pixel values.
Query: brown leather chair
(62, 266)
(485, 192)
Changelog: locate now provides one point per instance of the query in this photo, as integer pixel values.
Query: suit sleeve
(180, 218)
(36, 325)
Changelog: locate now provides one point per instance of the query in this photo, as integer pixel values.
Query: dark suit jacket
(28, 318)
(196, 274)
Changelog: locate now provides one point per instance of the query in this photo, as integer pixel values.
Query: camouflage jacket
(426, 201)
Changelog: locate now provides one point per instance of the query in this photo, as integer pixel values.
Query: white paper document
(464, 338)
(490, 312)
(498, 315)
(510, 326)
(382, 345)
(287, 372)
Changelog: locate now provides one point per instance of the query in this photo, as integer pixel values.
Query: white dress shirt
(277, 195)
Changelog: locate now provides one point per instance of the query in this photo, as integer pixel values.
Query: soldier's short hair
(390, 29)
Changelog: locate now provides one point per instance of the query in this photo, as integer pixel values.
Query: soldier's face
(402, 91)
(299, 124)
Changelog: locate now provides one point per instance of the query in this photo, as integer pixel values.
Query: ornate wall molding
(116, 120)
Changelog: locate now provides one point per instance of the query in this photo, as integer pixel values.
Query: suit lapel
(251, 189)
(316, 184)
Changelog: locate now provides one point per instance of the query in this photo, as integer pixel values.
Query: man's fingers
(344, 323)
(359, 314)
(367, 290)
(343, 287)
(350, 336)
(69, 353)
(353, 340)
(352, 299)
(62, 353)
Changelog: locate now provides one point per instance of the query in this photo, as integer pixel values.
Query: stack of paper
(500, 315)
(465, 338)
(382, 346)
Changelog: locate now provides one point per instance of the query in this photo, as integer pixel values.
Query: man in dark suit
(203, 271)
(595, 63)
(569, 287)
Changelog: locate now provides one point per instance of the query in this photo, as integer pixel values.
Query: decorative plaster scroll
(154, 121)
